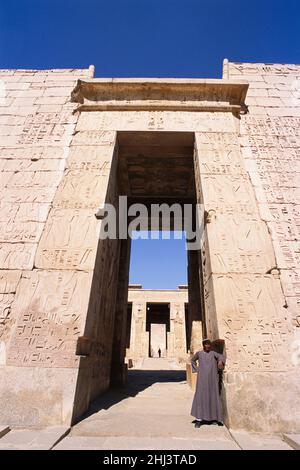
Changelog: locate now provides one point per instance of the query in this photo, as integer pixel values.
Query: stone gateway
(70, 143)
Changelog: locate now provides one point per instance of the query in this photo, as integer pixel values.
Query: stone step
(293, 440)
(33, 439)
(4, 430)
(255, 441)
(151, 425)
(144, 443)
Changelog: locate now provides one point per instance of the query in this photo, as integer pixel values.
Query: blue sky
(159, 264)
(149, 38)
(182, 38)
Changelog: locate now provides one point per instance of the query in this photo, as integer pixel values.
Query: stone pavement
(151, 412)
(33, 439)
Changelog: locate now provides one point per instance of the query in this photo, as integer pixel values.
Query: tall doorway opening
(157, 169)
(148, 169)
(158, 325)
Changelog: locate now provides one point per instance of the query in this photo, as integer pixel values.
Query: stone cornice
(150, 94)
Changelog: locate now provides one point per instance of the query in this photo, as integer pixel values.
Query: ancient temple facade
(157, 324)
(69, 143)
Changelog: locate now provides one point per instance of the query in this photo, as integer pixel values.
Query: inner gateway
(148, 167)
(158, 325)
(157, 167)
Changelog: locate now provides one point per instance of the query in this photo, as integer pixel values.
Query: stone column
(139, 337)
(177, 334)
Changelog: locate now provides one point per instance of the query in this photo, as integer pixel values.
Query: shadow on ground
(138, 380)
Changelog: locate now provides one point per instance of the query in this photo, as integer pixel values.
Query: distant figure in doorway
(159, 352)
(207, 407)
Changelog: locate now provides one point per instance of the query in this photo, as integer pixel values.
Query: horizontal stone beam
(160, 94)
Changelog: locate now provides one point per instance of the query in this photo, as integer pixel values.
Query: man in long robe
(207, 405)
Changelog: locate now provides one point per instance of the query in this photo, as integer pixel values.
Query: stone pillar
(177, 335)
(196, 301)
(54, 307)
(139, 337)
(243, 299)
(118, 366)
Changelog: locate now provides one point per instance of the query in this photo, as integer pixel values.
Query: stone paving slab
(293, 440)
(29, 439)
(153, 413)
(253, 441)
(4, 430)
(143, 443)
(147, 405)
(150, 425)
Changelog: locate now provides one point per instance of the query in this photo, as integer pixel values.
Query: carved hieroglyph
(59, 154)
(50, 318)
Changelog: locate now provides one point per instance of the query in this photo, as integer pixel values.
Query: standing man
(206, 405)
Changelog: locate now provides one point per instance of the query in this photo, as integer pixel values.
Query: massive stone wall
(39, 310)
(270, 140)
(59, 285)
(269, 144)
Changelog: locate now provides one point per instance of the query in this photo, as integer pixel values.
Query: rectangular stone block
(290, 281)
(292, 440)
(34, 179)
(10, 130)
(90, 123)
(4, 430)
(293, 309)
(5, 303)
(52, 100)
(47, 165)
(47, 128)
(228, 194)
(27, 195)
(284, 230)
(99, 137)
(96, 157)
(274, 179)
(278, 154)
(17, 212)
(17, 255)
(217, 141)
(9, 281)
(220, 161)
(253, 322)
(26, 439)
(279, 142)
(287, 254)
(277, 195)
(69, 240)
(33, 153)
(273, 165)
(236, 245)
(82, 189)
(14, 232)
(28, 393)
(252, 441)
(51, 308)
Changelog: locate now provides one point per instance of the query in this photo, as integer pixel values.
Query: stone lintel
(142, 94)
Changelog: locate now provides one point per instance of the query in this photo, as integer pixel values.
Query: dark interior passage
(158, 325)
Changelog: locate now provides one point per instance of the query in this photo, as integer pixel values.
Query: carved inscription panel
(253, 321)
(50, 307)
